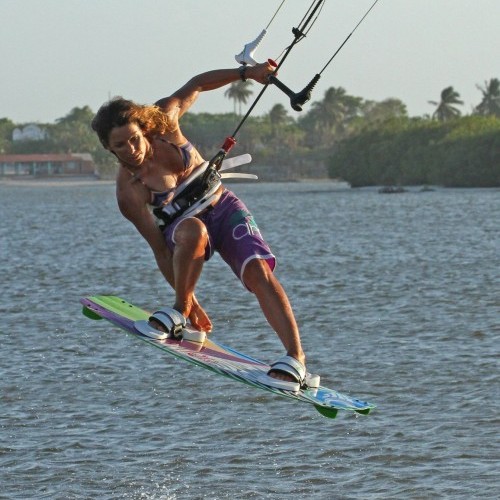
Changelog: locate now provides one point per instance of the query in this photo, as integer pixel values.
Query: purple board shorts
(232, 232)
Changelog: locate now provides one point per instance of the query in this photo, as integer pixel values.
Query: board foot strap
(173, 325)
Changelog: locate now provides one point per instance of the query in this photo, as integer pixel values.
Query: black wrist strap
(243, 70)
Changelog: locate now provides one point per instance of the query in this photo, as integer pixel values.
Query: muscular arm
(132, 203)
(133, 206)
(184, 98)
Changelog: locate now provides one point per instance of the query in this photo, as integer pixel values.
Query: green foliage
(446, 107)
(70, 134)
(208, 131)
(6, 129)
(463, 152)
(239, 92)
(363, 142)
(490, 104)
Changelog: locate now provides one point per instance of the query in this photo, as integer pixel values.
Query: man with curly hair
(155, 158)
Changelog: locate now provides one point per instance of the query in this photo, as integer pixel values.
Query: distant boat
(392, 189)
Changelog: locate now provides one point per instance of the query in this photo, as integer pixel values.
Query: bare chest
(163, 171)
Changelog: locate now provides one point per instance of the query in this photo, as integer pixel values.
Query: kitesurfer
(155, 157)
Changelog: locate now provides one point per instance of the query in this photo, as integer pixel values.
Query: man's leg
(275, 306)
(191, 239)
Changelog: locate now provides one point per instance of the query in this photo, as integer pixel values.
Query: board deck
(217, 357)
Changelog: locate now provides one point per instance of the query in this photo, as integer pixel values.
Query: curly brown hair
(119, 111)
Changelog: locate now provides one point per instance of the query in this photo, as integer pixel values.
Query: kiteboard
(217, 357)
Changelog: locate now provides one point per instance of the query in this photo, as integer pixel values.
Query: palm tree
(374, 112)
(239, 92)
(282, 135)
(333, 114)
(278, 115)
(332, 110)
(490, 105)
(82, 115)
(72, 133)
(6, 128)
(445, 107)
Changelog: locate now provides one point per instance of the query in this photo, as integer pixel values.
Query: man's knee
(257, 273)
(191, 232)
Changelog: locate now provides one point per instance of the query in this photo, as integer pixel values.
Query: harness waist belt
(192, 196)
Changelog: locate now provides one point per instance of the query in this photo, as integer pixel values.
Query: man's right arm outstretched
(133, 207)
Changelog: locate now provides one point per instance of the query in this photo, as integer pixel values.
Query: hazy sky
(58, 54)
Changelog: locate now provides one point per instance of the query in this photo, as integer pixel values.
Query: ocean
(398, 301)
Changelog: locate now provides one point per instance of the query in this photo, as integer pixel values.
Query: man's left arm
(185, 97)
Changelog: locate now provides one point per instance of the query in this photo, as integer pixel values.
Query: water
(398, 301)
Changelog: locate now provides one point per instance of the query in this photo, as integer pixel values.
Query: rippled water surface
(398, 299)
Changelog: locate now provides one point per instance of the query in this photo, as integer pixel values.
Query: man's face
(129, 144)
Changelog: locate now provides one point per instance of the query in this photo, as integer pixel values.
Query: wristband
(243, 70)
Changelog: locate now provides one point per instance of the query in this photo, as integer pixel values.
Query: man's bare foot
(281, 376)
(286, 377)
(199, 318)
(157, 325)
(194, 313)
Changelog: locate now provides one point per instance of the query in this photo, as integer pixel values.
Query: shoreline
(82, 181)
(54, 182)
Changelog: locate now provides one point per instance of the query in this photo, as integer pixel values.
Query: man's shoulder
(130, 193)
(123, 179)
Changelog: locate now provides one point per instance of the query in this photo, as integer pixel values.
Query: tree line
(360, 141)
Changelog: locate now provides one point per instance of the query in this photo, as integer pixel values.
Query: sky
(61, 54)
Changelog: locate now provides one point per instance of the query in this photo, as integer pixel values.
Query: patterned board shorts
(232, 232)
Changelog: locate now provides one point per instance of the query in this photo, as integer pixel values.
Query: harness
(199, 190)
(191, 196)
